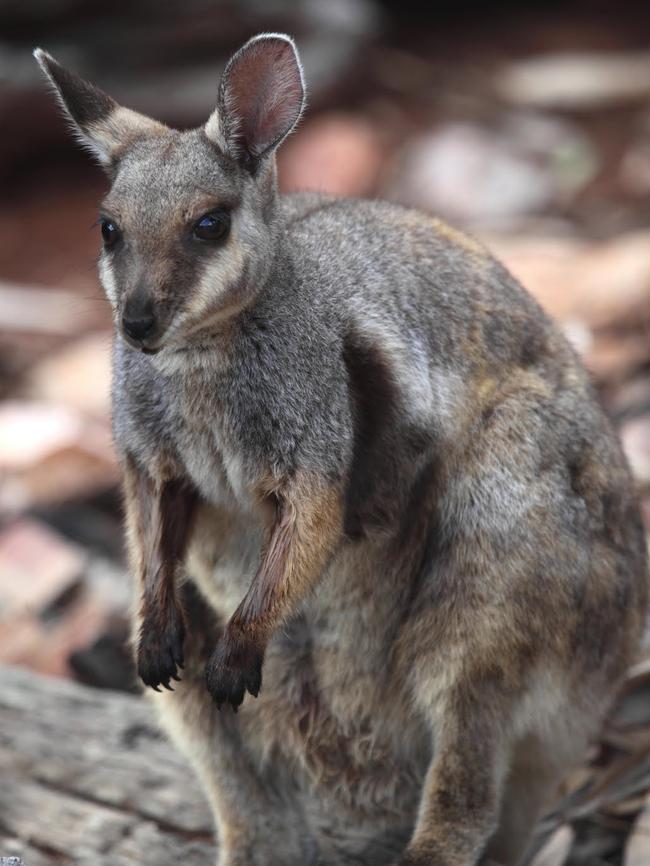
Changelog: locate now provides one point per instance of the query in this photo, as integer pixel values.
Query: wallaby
(367, 481)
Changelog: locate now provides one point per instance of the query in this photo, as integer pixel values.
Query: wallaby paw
(234, 668)
(160, 650)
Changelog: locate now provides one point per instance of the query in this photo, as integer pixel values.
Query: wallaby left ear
(261, 98)
(100, 123)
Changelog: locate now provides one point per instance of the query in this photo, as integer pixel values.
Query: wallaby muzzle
(140, 324)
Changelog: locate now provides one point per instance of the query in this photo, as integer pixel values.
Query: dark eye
(213, 226)
(110, 233)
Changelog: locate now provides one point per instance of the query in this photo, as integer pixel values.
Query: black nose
(139, 328)
(138, 319)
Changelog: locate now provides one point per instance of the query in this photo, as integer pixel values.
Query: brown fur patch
(458, 238)
(305, 528)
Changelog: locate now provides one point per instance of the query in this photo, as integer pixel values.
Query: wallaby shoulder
(410, 281)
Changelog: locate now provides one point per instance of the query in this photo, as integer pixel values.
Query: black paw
(160, 651)
(234, 668)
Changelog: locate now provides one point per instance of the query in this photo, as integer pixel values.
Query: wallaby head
(188, 224)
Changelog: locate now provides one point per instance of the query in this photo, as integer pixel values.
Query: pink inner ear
(264, 92)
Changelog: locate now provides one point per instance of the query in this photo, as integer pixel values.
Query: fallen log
(87, 779)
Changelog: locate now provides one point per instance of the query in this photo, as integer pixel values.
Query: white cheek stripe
(215, 282)
(107, 278)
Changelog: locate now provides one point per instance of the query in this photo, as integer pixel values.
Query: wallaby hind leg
(533, 781)
(254, 826)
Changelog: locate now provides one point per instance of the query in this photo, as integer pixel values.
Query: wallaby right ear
(100, 123)
(261, 98)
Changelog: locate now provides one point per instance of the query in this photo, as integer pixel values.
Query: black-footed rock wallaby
(367, 482)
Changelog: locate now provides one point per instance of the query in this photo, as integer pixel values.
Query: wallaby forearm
(159, 517)
(306, 528)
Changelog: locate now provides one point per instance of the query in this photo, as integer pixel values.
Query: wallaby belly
(331, 710)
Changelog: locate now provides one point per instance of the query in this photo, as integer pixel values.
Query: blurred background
(525, 124)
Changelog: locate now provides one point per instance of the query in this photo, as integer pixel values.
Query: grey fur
(477, 613)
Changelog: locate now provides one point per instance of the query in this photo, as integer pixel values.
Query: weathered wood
(87, 779)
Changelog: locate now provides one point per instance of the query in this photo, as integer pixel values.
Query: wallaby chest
(205, 447)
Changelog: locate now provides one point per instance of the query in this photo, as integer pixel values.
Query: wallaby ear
(261, 98)
(101, 124)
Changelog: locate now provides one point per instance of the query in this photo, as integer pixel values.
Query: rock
(613, 357)
(634, 172)
(56, 601)
(630, 399)
(47, 646)
(468, 174)
(51, 453)
(78, 375)
(31, 431)
(94, 523)
(41, 572)
(105, 663)
(37, 310)
(358, 18)
(38, 567)
(479, 175)
(576, 81)
(333, 34)
(603, 285)
(635, 436)
(600, 292)
(336, 153)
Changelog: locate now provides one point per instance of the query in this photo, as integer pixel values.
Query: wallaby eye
(110, 233)
(213, 226)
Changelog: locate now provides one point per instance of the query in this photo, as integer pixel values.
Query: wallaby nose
(138, 328)
(138, 319)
